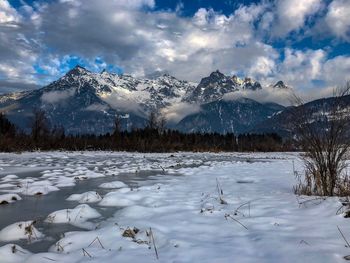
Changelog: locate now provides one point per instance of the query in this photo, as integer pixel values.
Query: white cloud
(124, 104)
(96, 107)
(301, 67)
(178, 111)
(292, 15)
(7, 13)
(338, 18)
(336, 71)
(128, 33)
(268, 94)
(57, 96)
(263, 66)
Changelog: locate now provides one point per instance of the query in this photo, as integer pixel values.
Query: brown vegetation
(324, 137)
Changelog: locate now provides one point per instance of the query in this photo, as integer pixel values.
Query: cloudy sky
(305, 43)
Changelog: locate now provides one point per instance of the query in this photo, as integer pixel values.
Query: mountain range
(86, 102)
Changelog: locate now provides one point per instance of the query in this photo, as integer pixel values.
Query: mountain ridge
(86, 102)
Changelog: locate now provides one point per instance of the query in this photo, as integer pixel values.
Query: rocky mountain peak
(77, 70)
(157, 74)
(280, 85)
(250, 84)
(216, 75)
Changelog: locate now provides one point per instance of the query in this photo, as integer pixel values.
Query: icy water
(39, 206)
(198, 207)
(84, 172)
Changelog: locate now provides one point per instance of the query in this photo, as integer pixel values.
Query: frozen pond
(37, 207)
(19, 173)
(183, 207)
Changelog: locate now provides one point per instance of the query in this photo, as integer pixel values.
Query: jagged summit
(216, 74)
(280, 85)
(156, 74)
(217, 84)
(85, 101)
(77, 70)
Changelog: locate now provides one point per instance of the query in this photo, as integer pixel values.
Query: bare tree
(156, 121)
(323, 134)
(152, 122)
(117, 125)
(40, 124)
(162, 121)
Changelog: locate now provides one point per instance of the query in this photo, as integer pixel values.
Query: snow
(88, 197)
(38, 188)
(20, 230)
(9, 198)
(111, 185)
(256, 217)
(121, 198)
(12, 253)
(77, 216)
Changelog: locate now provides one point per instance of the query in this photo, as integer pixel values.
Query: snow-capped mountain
(280, 85)
(122, 91)
(217, 84)
(87, 102)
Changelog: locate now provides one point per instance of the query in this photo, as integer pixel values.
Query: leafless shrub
(323, 134)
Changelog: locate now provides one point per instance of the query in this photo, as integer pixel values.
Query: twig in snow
(15, 249)
(244, 204)
(75, 219)
(347, 243)
(220, 193)
(304, 242)
(49, 259)
(305, 201)
(153, 241)
(345, 204)
(86, 253)
(99, 241)
(162, 169)
(234, 219)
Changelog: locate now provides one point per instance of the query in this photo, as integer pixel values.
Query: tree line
(154, 137)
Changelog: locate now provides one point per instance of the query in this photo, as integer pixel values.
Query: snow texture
(77, 216)
(203, 208)
(20, 230)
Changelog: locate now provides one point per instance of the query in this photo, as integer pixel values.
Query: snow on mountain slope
(217, 85)
(82, 99)
(115, 89)
(12, 96)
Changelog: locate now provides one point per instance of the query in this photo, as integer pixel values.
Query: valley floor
(183, 207)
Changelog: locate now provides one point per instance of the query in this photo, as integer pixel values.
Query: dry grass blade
(314, 201)
(50, 259)
(153, 242)
(341, 233)
(220, 192)
(99, 241)
(14, 249)
(86, 253)
(242, 205)
(234, 219)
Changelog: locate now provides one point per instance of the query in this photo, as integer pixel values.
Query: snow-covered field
(183, 207)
